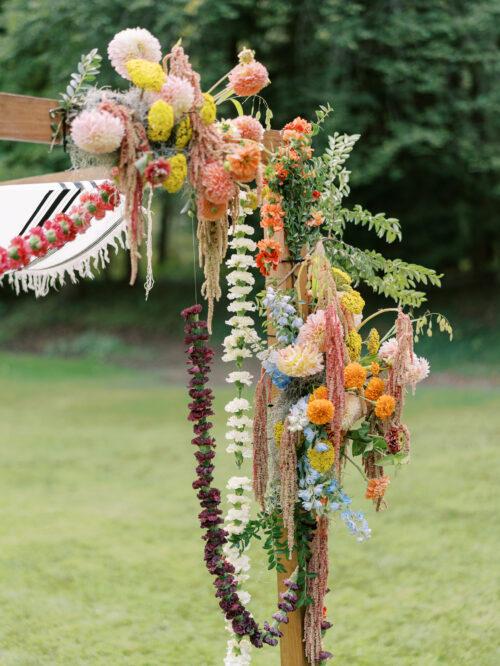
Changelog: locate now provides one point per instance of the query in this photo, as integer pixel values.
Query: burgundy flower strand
(242, 622)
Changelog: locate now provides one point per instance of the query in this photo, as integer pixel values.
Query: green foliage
(81, 80)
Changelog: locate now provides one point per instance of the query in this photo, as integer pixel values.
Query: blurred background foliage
(418, 81)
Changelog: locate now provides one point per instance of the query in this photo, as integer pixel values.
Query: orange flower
(244, 161)
(317, 219)
(299, 125)
(321, 393)
(385, 406)
(375, 368)
(320, 411)
(210, 211)
(376, 488)
(354, 376)
(269, 255)
(281, 172)
(375, 388)
(271, 216)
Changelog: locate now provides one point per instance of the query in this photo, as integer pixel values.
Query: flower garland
(243, 624)
(59, 230)
(237, 348)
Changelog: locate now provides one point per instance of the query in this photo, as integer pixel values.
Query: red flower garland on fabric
(61, 229)
(200, 409)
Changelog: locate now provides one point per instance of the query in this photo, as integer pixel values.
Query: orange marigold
(320, 411)
(244, 161)
(321, 393)
(354, 376)
(375, 368)
(376, 488)
(385, 406)
(375, 388)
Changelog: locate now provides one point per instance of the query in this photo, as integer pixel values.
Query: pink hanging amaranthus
(260, 445)
(335, 354)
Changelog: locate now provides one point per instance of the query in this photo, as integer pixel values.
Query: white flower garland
(238, 346)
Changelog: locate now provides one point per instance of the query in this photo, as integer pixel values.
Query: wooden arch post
(25, 118)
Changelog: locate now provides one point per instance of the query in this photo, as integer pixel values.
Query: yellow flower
(278, 432)
(322, 461)
(160, 120)
(385, 406)
(373, 342)
(208, 112)
(353, 302)
(342, 279)
(145, 74)
(183, 133)
(353, 342)
(178, 173)
(374, 368)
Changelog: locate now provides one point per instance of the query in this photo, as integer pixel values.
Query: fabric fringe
(316, 588)
(260, 447)
(289, 484)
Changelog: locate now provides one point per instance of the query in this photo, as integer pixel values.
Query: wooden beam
(25, 118)
(91, 173)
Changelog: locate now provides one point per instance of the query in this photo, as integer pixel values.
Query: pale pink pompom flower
(218, 184)
(179, 93)
(249, 128)
(312, 332)
(417, 371)
(388, 350)
(131, 44)
(97, 131)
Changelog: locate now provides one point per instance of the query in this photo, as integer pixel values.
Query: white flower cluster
(238, 346)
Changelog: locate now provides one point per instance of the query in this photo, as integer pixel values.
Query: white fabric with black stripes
(27, 206)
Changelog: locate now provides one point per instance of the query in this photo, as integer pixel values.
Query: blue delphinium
(283, 315)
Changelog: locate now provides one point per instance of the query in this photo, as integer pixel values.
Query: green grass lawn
(101, 557)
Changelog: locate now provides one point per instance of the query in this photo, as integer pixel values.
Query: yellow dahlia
(145, 74)
(373, 342)
(208, 112)
(322, 461)
(178, 173)
(320, 411)
(160, 121)
(385, 406)
(353, 343)
(183, 133)
(299, 361)
(353, 302)
(354, 376)
(374, 388)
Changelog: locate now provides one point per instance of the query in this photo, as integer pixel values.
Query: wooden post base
(291, 643)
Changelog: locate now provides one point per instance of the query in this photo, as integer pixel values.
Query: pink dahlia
(249, 79)
(179, 93)
(218, 184)
(97, 131)
(417, 371)
(132, 44)
(249, 128)
(388, 350)
(312, 332)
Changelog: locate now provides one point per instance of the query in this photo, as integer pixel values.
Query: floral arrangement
(162, 132)
(54, 233)
(332, 388)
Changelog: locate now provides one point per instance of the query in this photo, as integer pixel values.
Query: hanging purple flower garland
(243, 624)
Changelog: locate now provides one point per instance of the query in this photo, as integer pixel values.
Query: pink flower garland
(61, 229)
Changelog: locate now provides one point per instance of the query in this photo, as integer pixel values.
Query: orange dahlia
(244, 161)
(354, 376)
(320, 411)
(210, 211)
(385, 406)
(376, 488)
(375, 388)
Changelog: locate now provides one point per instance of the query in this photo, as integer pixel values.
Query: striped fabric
(27, 206)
